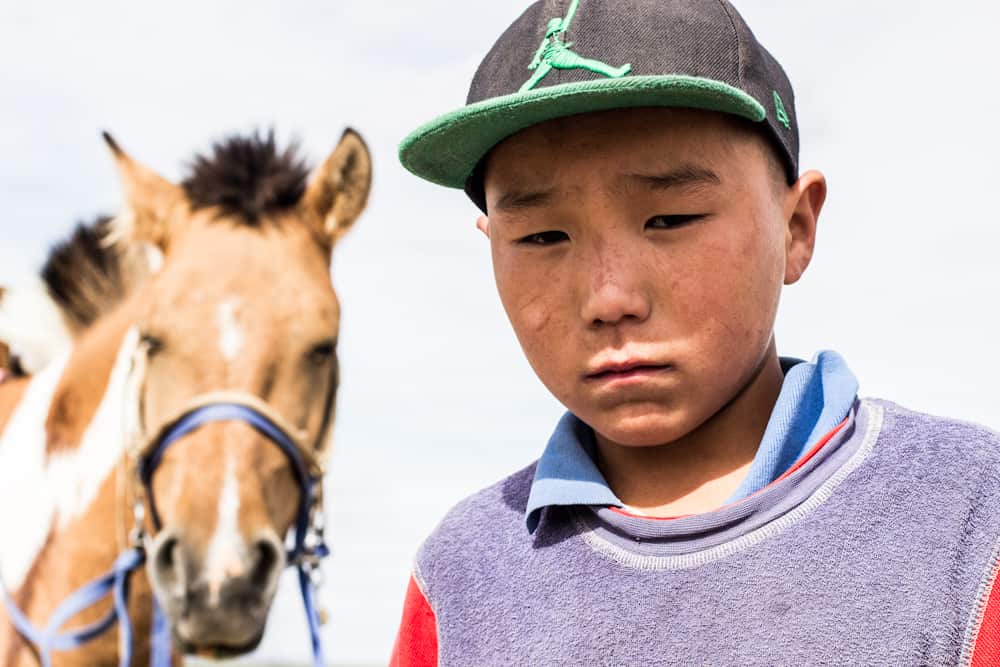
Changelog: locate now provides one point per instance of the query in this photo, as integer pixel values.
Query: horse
(219, 282)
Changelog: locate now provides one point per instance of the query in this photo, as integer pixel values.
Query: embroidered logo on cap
(779, 108)
(555, 53)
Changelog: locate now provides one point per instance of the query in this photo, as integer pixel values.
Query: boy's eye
(544, 238)
(671, 221)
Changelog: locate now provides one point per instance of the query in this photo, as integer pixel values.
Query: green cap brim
(447, 149)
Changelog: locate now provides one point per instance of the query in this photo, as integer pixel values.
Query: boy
(703, 501)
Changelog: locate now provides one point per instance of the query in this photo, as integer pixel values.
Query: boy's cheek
(541, 322)
(547, 342)
(531, 293)
(731, 290)
(531, 314)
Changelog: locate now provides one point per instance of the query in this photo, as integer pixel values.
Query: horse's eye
(151, 343)
(323, 352)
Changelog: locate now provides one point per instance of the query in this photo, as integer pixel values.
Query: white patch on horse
(231, 336)
(75, 476)
(154, 257)
(331, 223)
(226, 552)
(24, 490)
(32, 325)
(121, 227)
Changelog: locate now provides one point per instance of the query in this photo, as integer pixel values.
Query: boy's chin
(643, 428)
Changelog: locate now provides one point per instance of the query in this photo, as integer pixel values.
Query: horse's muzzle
(211, 608)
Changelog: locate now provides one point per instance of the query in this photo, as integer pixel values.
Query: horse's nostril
(265, 562)
(166, 555)
(167, 558)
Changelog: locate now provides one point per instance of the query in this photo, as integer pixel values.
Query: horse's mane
(247, 177)
(86, 275)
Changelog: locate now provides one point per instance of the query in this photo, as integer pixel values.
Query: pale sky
(896, 102)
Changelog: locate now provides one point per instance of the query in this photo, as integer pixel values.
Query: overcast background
(897, 103)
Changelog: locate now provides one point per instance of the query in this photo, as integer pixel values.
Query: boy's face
(640, 255)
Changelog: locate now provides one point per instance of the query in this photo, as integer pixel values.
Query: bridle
(308, 546)
(306, 551)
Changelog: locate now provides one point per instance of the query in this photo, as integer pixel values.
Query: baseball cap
(566, 57)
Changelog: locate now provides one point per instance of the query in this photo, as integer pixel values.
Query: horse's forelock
(247, 178)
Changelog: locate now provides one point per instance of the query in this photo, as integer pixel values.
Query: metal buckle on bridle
(313, 544)
(137, 536)
(312, 551)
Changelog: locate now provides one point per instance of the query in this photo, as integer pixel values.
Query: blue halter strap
(308, 548)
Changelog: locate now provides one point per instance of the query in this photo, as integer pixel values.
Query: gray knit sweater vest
(877, 551)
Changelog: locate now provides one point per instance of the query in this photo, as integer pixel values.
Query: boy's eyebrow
(687, 174)
(521, 199)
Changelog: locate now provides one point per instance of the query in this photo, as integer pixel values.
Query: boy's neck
(700, 471)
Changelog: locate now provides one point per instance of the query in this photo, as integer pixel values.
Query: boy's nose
(614, 293)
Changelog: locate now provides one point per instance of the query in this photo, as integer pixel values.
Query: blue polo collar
(815, 397)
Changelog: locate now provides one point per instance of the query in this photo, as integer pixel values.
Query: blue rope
(312, 616)
(160, 642)
(50, 639)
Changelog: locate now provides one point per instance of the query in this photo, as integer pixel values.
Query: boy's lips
(626, 370)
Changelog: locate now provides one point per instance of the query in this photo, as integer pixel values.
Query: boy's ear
(803, 204)
(151, 202)
(483, 225)
(338, 190)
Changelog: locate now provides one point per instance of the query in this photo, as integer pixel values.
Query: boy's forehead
(628, 139)
(608, 126)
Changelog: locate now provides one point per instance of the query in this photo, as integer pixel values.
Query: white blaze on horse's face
(231, 334)
(226, 552)
(241, 303)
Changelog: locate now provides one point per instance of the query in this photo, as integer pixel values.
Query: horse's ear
(338, 191)
(151, 201)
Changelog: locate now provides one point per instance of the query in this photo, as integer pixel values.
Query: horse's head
(241, 301)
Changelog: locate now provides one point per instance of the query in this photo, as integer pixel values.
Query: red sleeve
(416, 643)
(986, 641)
